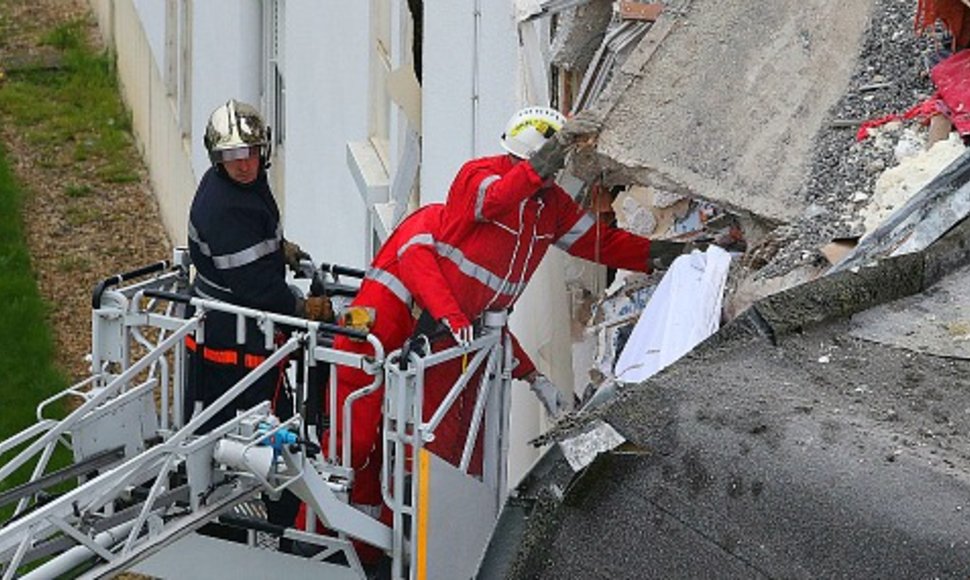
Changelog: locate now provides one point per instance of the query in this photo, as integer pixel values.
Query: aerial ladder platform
(142, 483)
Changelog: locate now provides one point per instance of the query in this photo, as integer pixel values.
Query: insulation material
(897, 184)
(684, 310)
(636, 218)
(647, 211)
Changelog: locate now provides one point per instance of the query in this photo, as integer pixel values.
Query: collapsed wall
(723, 100)
(727, 119)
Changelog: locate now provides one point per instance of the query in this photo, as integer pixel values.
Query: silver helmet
(233, 130)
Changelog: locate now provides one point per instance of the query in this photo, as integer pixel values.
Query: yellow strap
(424, 468)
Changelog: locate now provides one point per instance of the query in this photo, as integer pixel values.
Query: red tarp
(952, 80)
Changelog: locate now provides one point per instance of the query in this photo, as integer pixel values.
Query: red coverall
(486, 241)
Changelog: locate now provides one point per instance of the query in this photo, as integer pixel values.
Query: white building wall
(455, 128)
(226, 54)
(325, 69)
(447, 91)
(153, 123)
(498, 74)
(152, 16)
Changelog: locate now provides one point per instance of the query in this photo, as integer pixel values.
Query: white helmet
(528, 129)
(233, 129)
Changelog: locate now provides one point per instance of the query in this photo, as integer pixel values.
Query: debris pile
(892, 76)
(609, 322)
(887, 137)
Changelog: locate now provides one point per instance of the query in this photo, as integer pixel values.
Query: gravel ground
(892, 75)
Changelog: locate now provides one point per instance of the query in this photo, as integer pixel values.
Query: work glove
(292, 254)
(460, 328)
(664, 252)
(549, 158)
(582, 124)
(358, 317)
(549, 395)
(318, 308)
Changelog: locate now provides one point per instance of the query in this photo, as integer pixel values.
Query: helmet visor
(235, 154)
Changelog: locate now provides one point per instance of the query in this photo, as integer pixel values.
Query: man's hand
(664, 252)
(549, 395)
(583, 124)
(292, 254)
(550, 158)
(460, 328)
(319, 308)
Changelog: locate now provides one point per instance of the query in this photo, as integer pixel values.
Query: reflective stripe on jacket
(224, 356)
(235, 240)
(498, 222)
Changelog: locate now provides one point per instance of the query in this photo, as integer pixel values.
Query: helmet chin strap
(267, 153)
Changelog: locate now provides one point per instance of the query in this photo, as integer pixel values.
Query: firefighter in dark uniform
(236, 243)
(237, 246)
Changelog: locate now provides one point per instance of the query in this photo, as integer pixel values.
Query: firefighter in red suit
(403, 279)
(476, 253)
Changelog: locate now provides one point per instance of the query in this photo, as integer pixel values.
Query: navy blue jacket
(236, 245)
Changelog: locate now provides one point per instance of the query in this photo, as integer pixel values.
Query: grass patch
(118, 174)
(26, 344)
(76, 191)
(68, 36)
(62, 108)
(81, 215)
(73, 264)
(68, 109)
(72, 112)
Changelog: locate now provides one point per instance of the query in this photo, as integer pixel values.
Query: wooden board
(644, 11)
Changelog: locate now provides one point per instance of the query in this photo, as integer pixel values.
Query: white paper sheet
(684, 310)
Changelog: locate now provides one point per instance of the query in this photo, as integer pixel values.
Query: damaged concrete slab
(578, 31)
(936, 322)
(734, 123)
(921, 220)
(783, 446)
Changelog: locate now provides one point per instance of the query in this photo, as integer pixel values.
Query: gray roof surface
(784, 446)
(761, 461)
